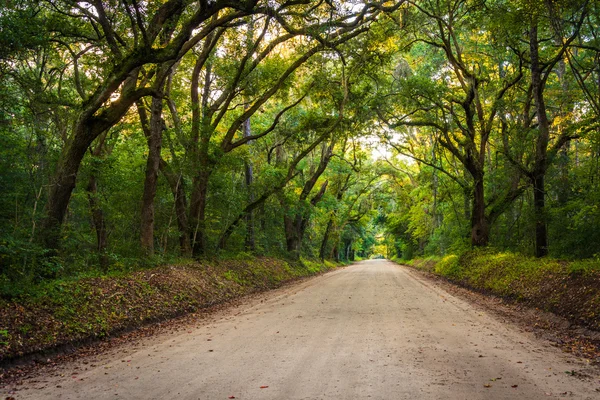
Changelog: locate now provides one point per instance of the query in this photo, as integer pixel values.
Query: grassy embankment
(567, 288)
(71, 311)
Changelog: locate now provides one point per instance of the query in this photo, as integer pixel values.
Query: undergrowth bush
(449, 267)
(64, 311)
(568, 288)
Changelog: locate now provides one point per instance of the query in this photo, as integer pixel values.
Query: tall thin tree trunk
(250, 242)
(198, 212)
(539, 200)
(154, 139)
(291, 236)
(564, 187)
(177, 188)
(323, 248)
(541, 148)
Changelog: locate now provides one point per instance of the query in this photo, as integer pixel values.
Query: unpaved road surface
(373, 330)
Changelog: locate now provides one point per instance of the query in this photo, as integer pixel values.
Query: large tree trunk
(479, 225)
(292, 236)
(154, 139)
(88, 127)
(63, 185)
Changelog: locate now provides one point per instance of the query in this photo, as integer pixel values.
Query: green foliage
(64, 311)
(567, 288)
(449, 266)
(394, 108)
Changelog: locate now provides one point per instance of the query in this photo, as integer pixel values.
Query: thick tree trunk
(88, 127)
(154, 139)
(63, 185)
(479, 224)
(294, 233)
(292, 236)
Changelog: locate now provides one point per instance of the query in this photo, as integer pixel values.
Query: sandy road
(370, 331)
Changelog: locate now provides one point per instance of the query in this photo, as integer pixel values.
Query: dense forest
(140, 132)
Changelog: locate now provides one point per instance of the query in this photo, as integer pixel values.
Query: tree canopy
(136, 131)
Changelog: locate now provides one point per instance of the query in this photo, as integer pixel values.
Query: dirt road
(373, 330)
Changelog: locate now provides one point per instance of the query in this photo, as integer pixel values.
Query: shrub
(449, 267)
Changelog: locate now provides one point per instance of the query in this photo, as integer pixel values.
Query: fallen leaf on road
(231, 397)
(264, 387)
(487, 385)
(514, 386)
